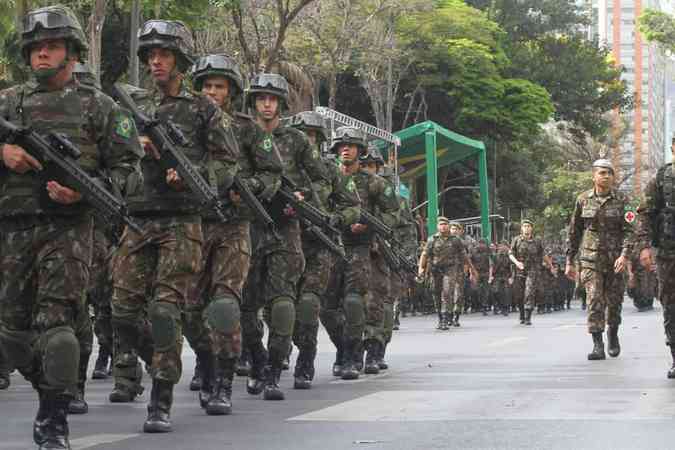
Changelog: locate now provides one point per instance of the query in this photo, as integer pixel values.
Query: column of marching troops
(217, 272)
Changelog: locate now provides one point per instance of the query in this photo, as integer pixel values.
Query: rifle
(258, 209)
(379, 227)
(305, 209)
(55, 149)
(395, 259)
(335, 248)
(166, 137)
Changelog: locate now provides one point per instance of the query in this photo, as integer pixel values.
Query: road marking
(506, 341)
(99, 439)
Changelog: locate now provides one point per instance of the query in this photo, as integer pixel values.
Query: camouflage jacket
(211, 148)
(598, 231)
(656, 215)
(104, 133)
(501, 268)
(481, 257)
(377, 197)
(406, 231)
(444, 252)
(528, 251)
(339, 196)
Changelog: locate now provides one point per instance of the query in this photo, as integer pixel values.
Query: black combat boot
(336, 339)
(78, 405)
(613, 346)
(528, 317)
(598, 352)
(4, 380)
(304, 369)
(256, 377)
(125, 389)
(381, 363)
(206, 368)
(101, 365)
(272, 375)
(358, 355)
(521, 310)
(52, 431)
(441, 322)
(505, 310)
(220, 401)
(244, 363)
(373, 346)
(455, 322)
(159, 408)
(349, 370)
(196, 381)
(671, 372)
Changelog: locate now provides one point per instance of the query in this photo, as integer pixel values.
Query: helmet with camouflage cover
(268, 83)
(168, 34)
(373, 155)
(310, 120)
(218, 65)
(603, 164)
(349, 135)
(52, 22)
(83, 73)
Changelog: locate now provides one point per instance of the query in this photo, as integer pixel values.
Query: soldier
(340, 200)
(446, 255)
(227, 246)
(350, 281)
(527, 254)
(277, 263)
(500, 278)
(4, 371)
(154, 270)
(46, 238)
(655, 239)
(601, 237)
(481, 258)
(642, 283)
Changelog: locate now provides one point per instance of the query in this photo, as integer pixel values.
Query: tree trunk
(133, 42)
(332, 90)
(95, 29)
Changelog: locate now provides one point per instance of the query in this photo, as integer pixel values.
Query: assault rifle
(166, 137)
(380, 228)
(57, 151)
(258, 209)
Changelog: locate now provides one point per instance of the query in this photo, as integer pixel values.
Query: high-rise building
(641, 149)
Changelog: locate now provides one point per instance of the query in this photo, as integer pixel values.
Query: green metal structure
(426, 147)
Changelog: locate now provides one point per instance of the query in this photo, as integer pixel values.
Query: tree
(659, 27)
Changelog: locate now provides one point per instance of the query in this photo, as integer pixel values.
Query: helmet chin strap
(44, 75)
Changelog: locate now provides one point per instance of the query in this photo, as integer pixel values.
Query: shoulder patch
(629, 215)
(267, 143)
(124, 127)
(388, 191)
(351, 187)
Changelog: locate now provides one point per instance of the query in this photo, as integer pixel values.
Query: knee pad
(307, 310)
(355, 310)
(164, 318)
(223, 315)
(282, 316)
(60, 357)
(17, 347)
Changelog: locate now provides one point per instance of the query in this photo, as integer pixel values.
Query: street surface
(491, 384)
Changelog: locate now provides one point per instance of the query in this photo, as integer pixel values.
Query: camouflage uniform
(45, 247)
(656, 229)
(154, 271)
(599, 234)
(531, 253)
(481, 258)
(501, 272)
(644, 284)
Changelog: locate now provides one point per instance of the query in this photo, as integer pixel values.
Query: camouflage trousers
(44, 273)
(227, 259)
(312, 287)
(449, 289)
(100, 289)
(152, 274)
(502, 292)
(272, 284)
(352, 278)
(524, 290)
(482, 290)
(380, 301)
(665, 269)
(391, 303)
(604, 294)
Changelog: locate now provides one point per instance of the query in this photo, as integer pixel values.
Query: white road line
(507, 341)
(99, 439)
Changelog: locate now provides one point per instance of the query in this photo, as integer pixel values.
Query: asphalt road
(491, 384)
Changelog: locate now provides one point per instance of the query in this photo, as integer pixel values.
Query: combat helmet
(310, 120)
(268, 83)
(168, 34)
(373, 154)
(349, 135)
(218, 65)
(52, 22)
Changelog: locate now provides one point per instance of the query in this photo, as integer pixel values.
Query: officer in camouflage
(340, 199)
(153, 271)
(600, 235)
(277, 264)
(46, 239)
(227, 246)
(349, 285)
(527, 254)
(445, 256)
(655, 239)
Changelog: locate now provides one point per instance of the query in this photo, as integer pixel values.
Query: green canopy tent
(426, 147)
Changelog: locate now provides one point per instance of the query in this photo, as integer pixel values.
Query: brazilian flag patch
(124, 127)
(267, 144)
(351, 187)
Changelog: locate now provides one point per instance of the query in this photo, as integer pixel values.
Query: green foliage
(560, 191)
(659, 27)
